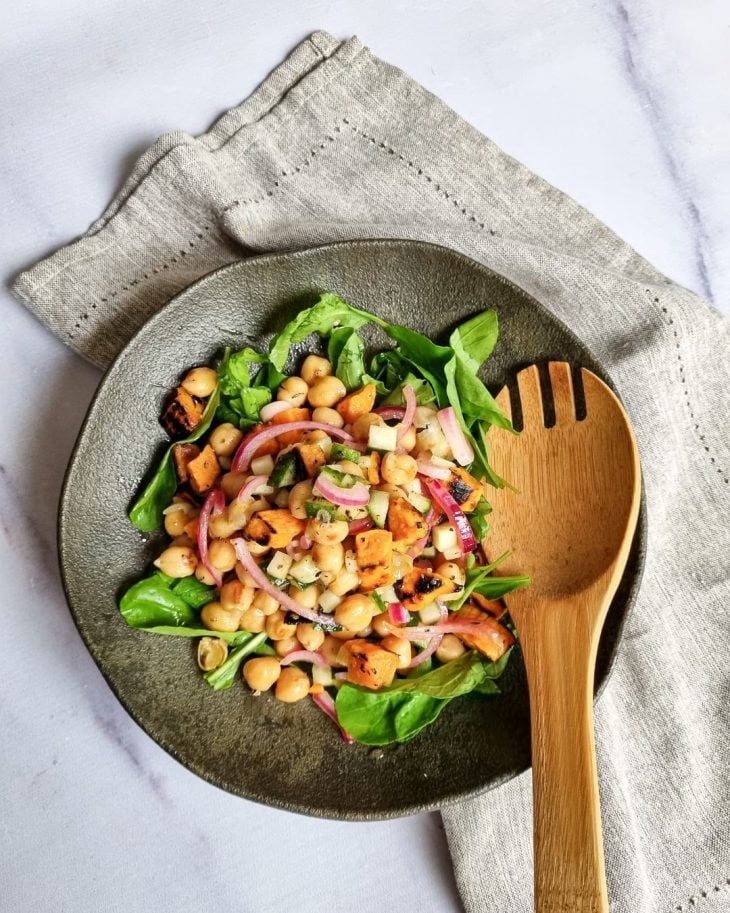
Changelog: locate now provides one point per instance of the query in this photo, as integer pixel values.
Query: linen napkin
(336, 144)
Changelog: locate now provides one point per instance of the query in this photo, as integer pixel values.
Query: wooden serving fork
(569, 525)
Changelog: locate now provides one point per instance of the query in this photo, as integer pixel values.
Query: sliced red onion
(433, 472)
(250, 488)
(251, 443)
(434, 643)
(452, 626)
(304, 656)
(305, 543)
(455, 437)
(262, 581)
(410, 397)
(457, 517)
(271, 409)
(357, 496)
(398, 613)
(213, 504)
(388, 413)
(360, 526)
(326, 704)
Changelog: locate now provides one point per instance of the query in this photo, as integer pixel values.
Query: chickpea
(361, 426)
(300, 493)
(220, 526)
(401, 647)
(244, 576)
(327, 533)
(326, 577)
(382, 624)
(261, 672)
(326, 392)
(293, 390)
(328, 416)
(225, 439)
(266, 603)
(212, 651)
(200, 382)
(344, 635)
(452, 572)
(309, 636)
(253, 620)
(330, 649)
(178, 561)
(330, 558)
(234, 595)
(222, 555)
(204, 575)
(277, 628)
(408, 441)
(344, 582)
(292, 686)
(355, 612)
(176, 520)
(215, 617)
(256, 549)
(314, 368)
(184, 541)
(286, 646)
(308, 597)
(432, 439)
(398, 468)
(424, 417)
(449, 648)
(232, 483)
(352, 468)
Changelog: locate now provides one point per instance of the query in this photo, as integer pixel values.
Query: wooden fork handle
(560, 660)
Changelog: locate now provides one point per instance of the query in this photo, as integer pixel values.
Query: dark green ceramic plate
(289, 756)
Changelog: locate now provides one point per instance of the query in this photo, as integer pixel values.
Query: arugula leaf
(346, 352)
(146, 511)
(474, 340)
(330, 311)
(225, 675)
(401, 711)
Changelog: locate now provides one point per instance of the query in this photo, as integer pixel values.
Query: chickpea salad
(329, 527)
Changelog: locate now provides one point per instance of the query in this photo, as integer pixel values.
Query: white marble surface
(625, 104)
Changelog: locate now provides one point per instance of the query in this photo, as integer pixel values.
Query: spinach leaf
(269, 377)
(234, 371)
(474, 340)
(225, 675)
(329, 312)
(422, 389)
(401, 711)
(389, 367)
(151, 602)
(346, 352)
(232, 638)
(146, 511)
(479, 580)
(195, 593)
(478, 519)
(252, 400)
(476, 401)
(382, 717)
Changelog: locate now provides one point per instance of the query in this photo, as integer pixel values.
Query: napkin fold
(337, 144)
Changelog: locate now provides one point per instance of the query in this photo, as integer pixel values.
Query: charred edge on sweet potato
(182, 414)
(182, 454)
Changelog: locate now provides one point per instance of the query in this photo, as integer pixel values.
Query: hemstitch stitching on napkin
(703, 895)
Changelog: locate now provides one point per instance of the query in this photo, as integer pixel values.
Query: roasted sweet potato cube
(295, 414)
(357, 404)
(373, 577)
(369, 665)
(275, 528)
(494, 607)
(464, 489)
(268, 447)
(374, 547)
(420, 587)
(182, 454)
(373, 467)
(493, 639)
(312, 457)
(182, 414)
(407, 524)
(204, 471)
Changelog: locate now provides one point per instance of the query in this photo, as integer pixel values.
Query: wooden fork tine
(563, 397)
(528, 384)
(503, 401)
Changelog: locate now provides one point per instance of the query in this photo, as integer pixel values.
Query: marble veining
(624, 105)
